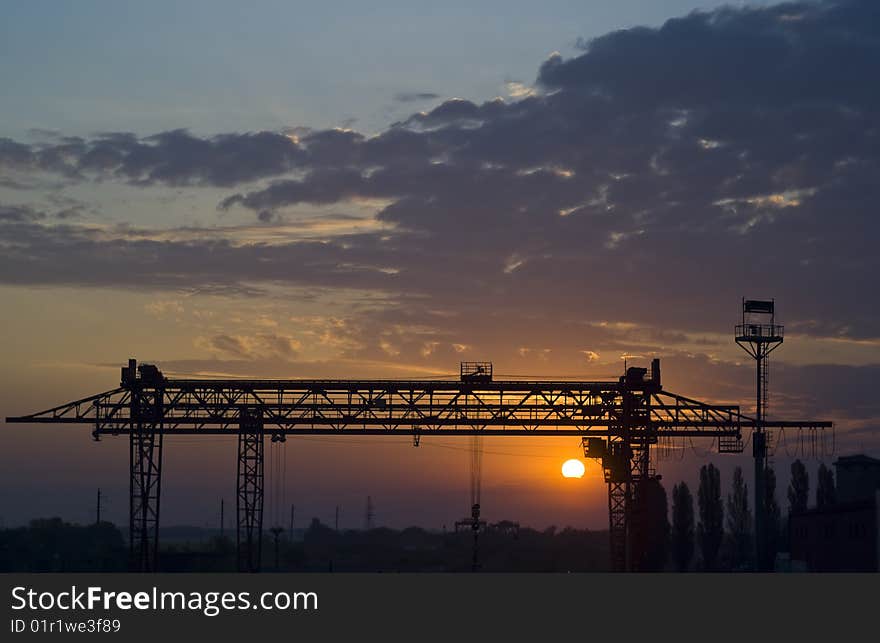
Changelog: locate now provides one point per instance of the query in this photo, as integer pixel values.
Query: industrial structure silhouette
(618, 422)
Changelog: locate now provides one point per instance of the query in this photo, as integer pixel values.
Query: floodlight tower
(759, 335)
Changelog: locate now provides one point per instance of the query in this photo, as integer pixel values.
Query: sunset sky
(337, 189)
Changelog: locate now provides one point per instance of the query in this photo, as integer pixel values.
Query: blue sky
(85, 67)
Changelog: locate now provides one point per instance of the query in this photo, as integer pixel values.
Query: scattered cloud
(516, 89)
(260, 346)
(415, 97)
(19, 214)
(161, 308)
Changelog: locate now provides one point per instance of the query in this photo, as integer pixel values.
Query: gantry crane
(618, 422)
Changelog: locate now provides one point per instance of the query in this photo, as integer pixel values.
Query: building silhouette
(844, 536)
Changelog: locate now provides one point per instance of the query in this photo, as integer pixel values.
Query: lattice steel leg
(617, 525)
(249, 496)
(145, 451)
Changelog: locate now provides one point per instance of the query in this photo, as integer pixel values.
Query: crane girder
(378, 407)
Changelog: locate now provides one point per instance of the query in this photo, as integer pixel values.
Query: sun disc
(573, 469)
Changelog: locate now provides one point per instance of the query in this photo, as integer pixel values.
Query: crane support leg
(627, 469)
(249, 496)
(145, 480)
(617, 527)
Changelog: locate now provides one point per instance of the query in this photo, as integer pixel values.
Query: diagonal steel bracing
(145, 450)
(249, 491)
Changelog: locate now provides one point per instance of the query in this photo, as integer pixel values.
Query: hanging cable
(476, 480)
(696, 451)
(272, 481)
(784, 439)
(283, 478)
(476, 468)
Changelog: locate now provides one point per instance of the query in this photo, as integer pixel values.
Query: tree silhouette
(798, 488)
(773, 518)
(682, 526)
(739, 520)
(52, 545)
(826, 494)
(710, 529)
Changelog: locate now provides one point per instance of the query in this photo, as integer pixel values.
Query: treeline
(720, 534)
(56, 546)
(503, 547)
(52, 545)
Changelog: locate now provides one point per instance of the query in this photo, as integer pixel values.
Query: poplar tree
(710, 529)
(739, 520)
(798, 488)
(826, 494)
(773, 518)
(682, 526)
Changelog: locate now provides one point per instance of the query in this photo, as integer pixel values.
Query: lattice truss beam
(378, 407)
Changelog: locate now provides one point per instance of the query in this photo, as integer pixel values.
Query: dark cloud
(14, 154)
(19, 213)
(724, 152)
(415, 97)
(262, 346)
(801, 51)
(67, 209)
(72, 254)
(170, 158)
(266, 216)
(228, 344)
(72, 212)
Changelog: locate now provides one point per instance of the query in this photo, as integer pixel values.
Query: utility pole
(276, 532)
(98, 509)
(337, 517)
(221, 518)
(369, 514)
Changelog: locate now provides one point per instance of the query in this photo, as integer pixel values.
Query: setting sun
(573, 469)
